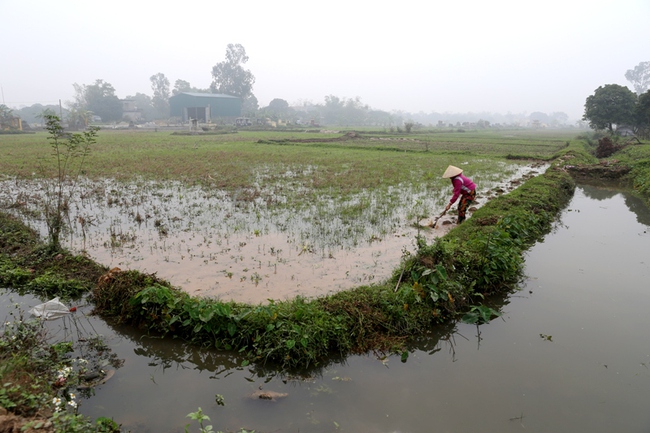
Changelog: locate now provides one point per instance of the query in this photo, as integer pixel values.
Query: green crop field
(233, 160)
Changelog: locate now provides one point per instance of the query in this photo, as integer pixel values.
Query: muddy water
(571, 353)
(217, 244)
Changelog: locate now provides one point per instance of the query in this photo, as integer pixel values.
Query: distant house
(204, 107)
(11, 123)
(130, 110)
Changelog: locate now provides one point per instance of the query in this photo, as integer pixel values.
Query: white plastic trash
(50, 310)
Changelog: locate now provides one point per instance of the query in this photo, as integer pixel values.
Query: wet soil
(213, 248)
(605, 170)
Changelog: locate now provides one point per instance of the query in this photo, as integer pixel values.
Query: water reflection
(607, 190)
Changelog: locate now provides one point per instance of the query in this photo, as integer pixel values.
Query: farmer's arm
(457, 184)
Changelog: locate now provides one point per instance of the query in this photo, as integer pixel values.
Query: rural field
(295, 282)
(257, 215)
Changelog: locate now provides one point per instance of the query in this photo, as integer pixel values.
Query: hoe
(435, 221)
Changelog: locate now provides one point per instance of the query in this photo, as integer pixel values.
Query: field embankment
(629, 164)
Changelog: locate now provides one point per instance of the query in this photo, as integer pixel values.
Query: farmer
(463, 188)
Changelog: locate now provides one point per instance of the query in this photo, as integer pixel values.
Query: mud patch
(609, 170)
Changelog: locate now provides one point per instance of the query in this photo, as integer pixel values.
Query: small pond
(570, 353)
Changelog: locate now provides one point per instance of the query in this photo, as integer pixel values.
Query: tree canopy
(639, 77)
(98, 98)
(5, 112)
(250, 105)
(610, 105)
(144, 104)
(160, 99)
(182, 86)
(643, 113)
(6, 115)
(278, 105)
(229, 77)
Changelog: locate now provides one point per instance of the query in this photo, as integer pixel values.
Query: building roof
(206, 95)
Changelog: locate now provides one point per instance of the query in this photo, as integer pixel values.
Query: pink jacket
(462, 185)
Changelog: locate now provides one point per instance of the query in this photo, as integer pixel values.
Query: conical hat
(451, 172)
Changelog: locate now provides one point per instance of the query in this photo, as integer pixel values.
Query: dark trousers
(463, 204)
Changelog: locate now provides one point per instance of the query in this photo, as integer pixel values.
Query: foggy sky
(453, 56)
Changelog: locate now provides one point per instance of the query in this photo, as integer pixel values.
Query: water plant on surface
(200, 417)
(41, 381)
(479, 314)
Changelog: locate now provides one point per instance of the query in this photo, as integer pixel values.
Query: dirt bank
(10, 423)
(608, 169)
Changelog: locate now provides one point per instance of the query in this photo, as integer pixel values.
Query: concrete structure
(130, 110)
(204, 107)
(11, 123)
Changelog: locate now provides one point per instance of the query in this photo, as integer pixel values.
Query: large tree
(333, 110)
(278, 107)
(639, 77)
(610, 105)
(250, 106)
(643, 114)
(144, 104)
(6, 115)
(100, 99)
(160, 99)
(229, 77)
(559, 117)
(182, 86)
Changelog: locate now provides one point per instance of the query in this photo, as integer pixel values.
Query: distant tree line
(610, 107)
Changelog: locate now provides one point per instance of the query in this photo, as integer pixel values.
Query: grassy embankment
(444, 279)
(629, 165)
(637, 158)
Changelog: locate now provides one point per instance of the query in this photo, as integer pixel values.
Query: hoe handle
(433, 226)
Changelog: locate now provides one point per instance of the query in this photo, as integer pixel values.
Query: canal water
(570, 353)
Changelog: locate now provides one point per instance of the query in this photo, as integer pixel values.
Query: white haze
(453, 56)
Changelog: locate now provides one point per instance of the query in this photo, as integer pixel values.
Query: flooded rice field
(570, 353)
(265, 242)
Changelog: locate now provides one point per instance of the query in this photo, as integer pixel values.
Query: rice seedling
(160, 203)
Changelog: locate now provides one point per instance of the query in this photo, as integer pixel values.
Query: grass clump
(637, 158)
(299, 333)
(28, 265)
